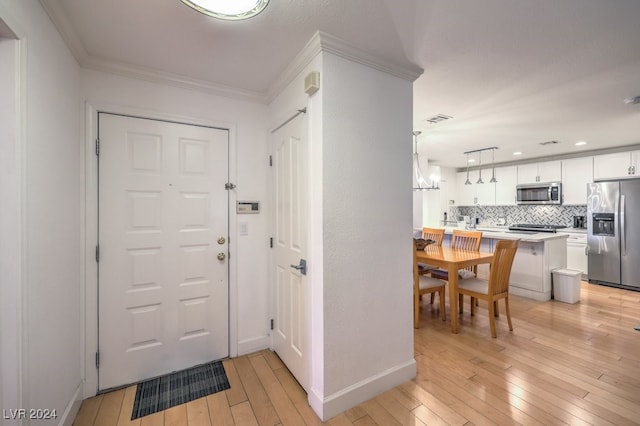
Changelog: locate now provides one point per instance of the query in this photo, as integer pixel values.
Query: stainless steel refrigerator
(613, 233)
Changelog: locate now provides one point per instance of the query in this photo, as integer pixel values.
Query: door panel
(163, 302)
(630, 234)
(291, 292)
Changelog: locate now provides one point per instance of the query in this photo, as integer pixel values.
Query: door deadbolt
(221, 256)
(221, 240)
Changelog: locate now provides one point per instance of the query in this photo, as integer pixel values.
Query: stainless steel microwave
(539, 193)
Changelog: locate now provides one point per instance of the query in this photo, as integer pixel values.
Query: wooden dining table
(452, 259)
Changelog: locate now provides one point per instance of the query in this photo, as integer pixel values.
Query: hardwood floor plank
(236, 393)
(378, 413)
(110, 408)
(287, 412)
(398, 411)
(88, 411)
(243, 414)
(262, 406)
(155, 419)
(219, 411)
(339, 420)
(198, 412)
(440, 409)
(297, 395)
(127, 408)
(176, 416)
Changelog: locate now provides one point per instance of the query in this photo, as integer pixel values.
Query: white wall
(247, 120)
(51, 200)
(360, 223)
(367, 223)
(10, 259)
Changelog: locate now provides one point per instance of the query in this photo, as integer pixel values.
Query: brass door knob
(221, 256)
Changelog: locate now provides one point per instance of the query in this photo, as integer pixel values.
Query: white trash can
(566, 285)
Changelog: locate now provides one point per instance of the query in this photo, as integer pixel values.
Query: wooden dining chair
(423, 284)
(463, 240)
(497, 287)
(433, 234)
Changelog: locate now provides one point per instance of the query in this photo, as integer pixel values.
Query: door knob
(302, 267)
(221, 240)
(221, 256)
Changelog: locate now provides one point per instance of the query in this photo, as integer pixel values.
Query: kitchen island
(538, 254)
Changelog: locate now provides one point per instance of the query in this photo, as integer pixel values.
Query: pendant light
(493, 167)
(480, 168)
(421, 183)
(467, 182)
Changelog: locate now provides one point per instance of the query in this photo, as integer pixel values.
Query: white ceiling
(511, 73)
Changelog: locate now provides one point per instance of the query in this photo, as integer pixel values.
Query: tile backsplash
(552, 215)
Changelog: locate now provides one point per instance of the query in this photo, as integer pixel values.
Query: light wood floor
(562, 364)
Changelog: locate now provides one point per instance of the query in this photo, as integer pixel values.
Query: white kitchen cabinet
(619, 165)
(485, 192)
(506, 186)
(477, 193)
(545, 171)
(465, 194)
(577, 251)
(576, 174)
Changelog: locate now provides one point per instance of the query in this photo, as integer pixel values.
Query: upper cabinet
(506, 185)
(476, 193)
(576, 174)
(619, 165)
(502, 193)
(546, 171)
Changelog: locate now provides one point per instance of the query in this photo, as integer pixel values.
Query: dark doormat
(173, 389)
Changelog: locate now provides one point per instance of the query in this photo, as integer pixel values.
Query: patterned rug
(173, 389)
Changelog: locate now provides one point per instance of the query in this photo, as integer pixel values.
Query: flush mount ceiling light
(230, 10)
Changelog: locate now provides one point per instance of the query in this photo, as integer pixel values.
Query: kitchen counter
(503, 233)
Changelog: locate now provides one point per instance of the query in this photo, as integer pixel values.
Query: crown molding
(323, 42)
(161, 77)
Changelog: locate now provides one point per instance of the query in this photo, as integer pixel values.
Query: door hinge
(98, 147)
(98, 253)
(97, 359)
(271, 242)
(229, 186)
(272, 323)
(270, 161)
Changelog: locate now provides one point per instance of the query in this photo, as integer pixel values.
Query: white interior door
(291, 294)
(163, 220)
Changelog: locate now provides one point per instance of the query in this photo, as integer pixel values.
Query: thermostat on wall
(248, 207)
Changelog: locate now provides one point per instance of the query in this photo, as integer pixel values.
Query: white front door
(163, 220)
(291, 293)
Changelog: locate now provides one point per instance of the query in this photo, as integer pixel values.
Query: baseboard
(334, 404)
(70, 412)
(254, 345)
(530, 294)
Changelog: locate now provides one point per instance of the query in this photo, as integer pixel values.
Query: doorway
(163, 233)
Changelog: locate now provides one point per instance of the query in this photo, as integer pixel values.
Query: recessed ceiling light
(471, 160)
(230, 10)
(580, 143)
(517, 153)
